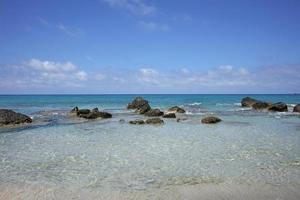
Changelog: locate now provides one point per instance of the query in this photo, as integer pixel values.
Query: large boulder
(210, 120)
(297, 108)
(279, 107)
(169, 115)
(176, 109)
(155, 120)
(140, 104)
(8, 117)
(82, 112)
(137, 103)
(154, 113)
(259, 105)
(248, 102)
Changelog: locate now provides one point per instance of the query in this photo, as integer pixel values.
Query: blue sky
(150, 46)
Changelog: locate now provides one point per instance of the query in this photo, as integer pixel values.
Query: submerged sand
(195, 192)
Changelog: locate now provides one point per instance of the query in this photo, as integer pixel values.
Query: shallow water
(103, 157)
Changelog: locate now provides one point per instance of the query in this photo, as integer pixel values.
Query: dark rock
(210, 120)
(261, 105)
(83, 112)
(169, 115)
(137, 103)
(154, 113)
(154, 121)
(297, 108)
(248, 102)
(10, 117)
(143, 109)
(279, 107)
(95, 110)
(122, 120)
(74, 110)
(176, 109)
(137, 121)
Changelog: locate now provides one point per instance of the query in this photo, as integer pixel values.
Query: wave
(195, 104)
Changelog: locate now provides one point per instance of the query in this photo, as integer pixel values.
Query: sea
(248, 155)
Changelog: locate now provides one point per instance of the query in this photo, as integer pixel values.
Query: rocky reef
(10, 117)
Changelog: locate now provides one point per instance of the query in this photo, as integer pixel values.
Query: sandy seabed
(194, 192)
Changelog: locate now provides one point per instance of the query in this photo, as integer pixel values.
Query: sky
(149, 46)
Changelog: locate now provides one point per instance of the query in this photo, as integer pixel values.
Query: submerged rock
(137, 121)
(279, 107)
(210, 120)
(8, 117)
(154, 121)
(176, 109)
(154, 113)
(169, 115)
(297, 108)
(248, 102)
(261, 105)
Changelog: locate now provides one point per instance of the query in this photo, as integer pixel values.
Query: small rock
(176, 109)
(297, 108)
(122, 120)
(169, 115)
(210, 120)
(154, 121)
(154, 113)
(74, 110)
(137, 121)
(95, 110)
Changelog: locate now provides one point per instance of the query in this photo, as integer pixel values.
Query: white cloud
(100, 77)
(137, 7)
(67, 30)
(153, 26)
(148, 75)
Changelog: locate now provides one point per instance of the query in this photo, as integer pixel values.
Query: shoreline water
(109, 159)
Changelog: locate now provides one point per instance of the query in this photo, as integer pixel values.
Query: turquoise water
(105, 156)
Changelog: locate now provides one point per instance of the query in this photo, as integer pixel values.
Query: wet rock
(154, 121)
(143, 109)
(137, 121)
(95, 110)
(137, 103)
(140, 104)
(279, 107)
(248, 102)
(8, 117)
(169, 115)
(83, 112)
(176, 109)
(210, 120)
(91, 114)
(74, 110)
(154, 113)
(297, 108)
(259, 105)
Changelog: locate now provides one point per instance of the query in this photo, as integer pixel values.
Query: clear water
(103, 156)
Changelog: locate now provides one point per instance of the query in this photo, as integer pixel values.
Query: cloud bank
(43, 76)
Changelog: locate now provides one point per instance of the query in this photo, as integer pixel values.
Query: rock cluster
(9, 117)
(155, 120)
(90, 114)
(260, 105)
